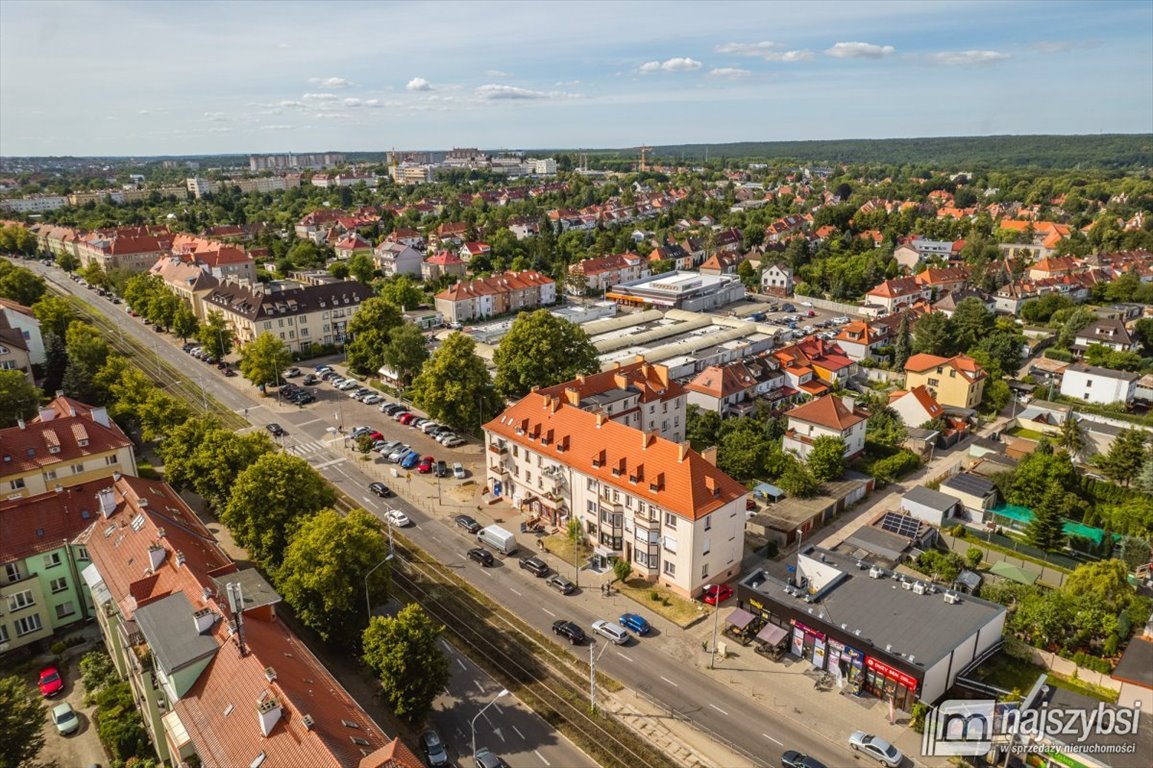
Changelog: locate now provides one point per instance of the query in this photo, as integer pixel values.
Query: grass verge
(660, 599)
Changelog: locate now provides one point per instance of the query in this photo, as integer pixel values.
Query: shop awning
(771, 634)
(740, 618)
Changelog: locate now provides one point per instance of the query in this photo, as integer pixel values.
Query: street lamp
(502, 694)
(367, 604)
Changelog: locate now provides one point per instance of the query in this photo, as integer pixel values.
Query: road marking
(310, 421)
(626, 658)
(770, 738)
(539, 755)
(479, 687)
(485, 572)
(714, 706)
(332, 463)
(501, 735)
(462, 666)
(367, 500)
(447, 647)
(550, 613)
(670, 682)
(510, 589)
(518, 733)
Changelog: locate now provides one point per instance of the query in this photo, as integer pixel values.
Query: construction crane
(644, 153)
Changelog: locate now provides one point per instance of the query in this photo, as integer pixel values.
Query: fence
(880, 374)
(1051, 575)
(1071, 669)
(853, 310)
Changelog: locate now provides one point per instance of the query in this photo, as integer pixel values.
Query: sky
(179, 78)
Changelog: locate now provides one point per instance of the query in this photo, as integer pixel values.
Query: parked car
(398, 453)
(570, 630)
(372, 399)
(485, 758)
(560, 584)
(635, 622)
(65, 719)
(876, 748)
(467, 523)
(397, 519)
(715, 594)
(358, 431)
(276, 430)
(433, 747)
(534, 565)
(791, 758)
(441, 469)
(445, 436)
(292, 373)
(387, 447)
(348, 384)
(410, 461)
(390, 409)
(406, 417)
(50, 682)
(329, 375)
(429, 426)
(458, 470)
(229, 373)
(359, 392)
(322, 369)
(425, 466)
(453, 442)
(415, 423)
(482, 556)
(614, 633)
(380, 489)
(788, 308)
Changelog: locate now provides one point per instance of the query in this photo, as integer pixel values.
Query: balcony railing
(497, 448)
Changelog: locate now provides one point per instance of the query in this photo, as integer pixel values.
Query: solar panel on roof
(902, 525)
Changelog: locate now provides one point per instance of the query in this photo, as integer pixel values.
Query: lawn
(558, 544)
(1028, 434)
(679, 610)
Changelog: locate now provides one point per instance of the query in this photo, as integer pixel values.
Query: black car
(568, 629)
(276, 430)
(433, 747)
(794, 759)
(482, 556)
(310, 380)
(486, 758)
(441, 469)
(380, 489)
(788, 308)
(467, 523)
(534, 565)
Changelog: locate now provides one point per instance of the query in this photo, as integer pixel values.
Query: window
(52, 559)
(1088, 383)
(592, 506)
(12, 571)
(527, 476)
(708, 522)
(59, 585)
(65, 609)
(20, 600)
(670, 520)
(267, 325)
(77, 468)
(591, 484)
(706, 547)
(934, 383)
(705, 571)
(82, 553)
(591, 526)
(50, 475)
(16, 484)
(113, 459)
(3, 634)
(28, 624)
(670, 568)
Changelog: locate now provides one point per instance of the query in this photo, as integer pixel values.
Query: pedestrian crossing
(307, 448)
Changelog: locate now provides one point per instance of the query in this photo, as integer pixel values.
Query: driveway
(83, 747)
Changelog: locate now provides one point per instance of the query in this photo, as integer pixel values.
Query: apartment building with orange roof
(860, 339)
(671, 514)
(191, 282)
(598, 274)
(957, 381)
(218, 679)
(222, 260)
(132, 248)
(943, 279)
(499, 294)
(826, 416)
(895, 294)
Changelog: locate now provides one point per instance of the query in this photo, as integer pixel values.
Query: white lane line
(310, 421)
(518, 733)
(550, 613)
(501, 735)
(447, 648)
(626, 658)
(770, 738)
(714, 706)
(479, 687)
(541, 757)
(462, 666)
(367, 500)
(510, 589)
(485, 572)
(670, 682)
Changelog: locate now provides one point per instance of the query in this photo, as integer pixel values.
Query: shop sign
(893, 674)
(798, 642)
(756, 605)
(819, 654)
(808, 630)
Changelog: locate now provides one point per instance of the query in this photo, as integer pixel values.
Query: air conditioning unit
(876, 573)
(919, 588)
(951, 599)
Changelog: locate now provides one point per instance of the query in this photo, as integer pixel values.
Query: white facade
(801, 435)
(1098, 385)
(546, 167)
(38, 204)
(29, 328)
(777, 281)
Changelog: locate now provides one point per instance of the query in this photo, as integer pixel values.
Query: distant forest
(1105, 151)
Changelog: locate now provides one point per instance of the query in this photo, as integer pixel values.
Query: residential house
(947, 304)
(14, 354)
(218, 679)
(500, 294)
(722, 263)
(23, 320)
(828, 360)
(1040, 245)
(777, 280)
(944, 279)
(682, 260)
(1044, 417)
(394, 258)
(916, 406)
(299, 315)
(825, 416)
(723, 388)
(597, 275)
(931, 506)
(1110, 332)
(1102, 386)
(913, 253)
(407, 236)
(977, 494)
(1045, 268)
(443, 263)
(66, 444)
(130, 248)
(223, 261)
(954, 381)
(1144, 388)
(657, 504)
(191, 282)
(449, 234)
(860, 339)
(470, 250)
(639, 394)
(896, 294)
(40, 586)
(350, 245)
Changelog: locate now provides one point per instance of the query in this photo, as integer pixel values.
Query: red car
(374, 436)
(51, 683)
(715, 594)
(406, 417)
(426, 465)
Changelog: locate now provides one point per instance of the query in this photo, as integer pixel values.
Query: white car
(397, 519)
(348, 384)
(336, 381)
(65, 719)
(458, 471)
(445, 436)
(372, 399)
(452, 442)
(429, 426)
(615, 633)
(398, 453)
(806, 304)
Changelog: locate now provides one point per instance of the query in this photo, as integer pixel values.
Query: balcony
(499, 469)
(498, 448)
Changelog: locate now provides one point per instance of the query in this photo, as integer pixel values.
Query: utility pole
(593, 673)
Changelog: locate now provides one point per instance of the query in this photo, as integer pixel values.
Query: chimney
(100, 416)
(47, 414)
(204, 619)
(573, 395)
(682, 451)
(156, 555)
(850, 402)
(710, 455)
(107, 500)
(648, 438)
(269, 712)
(601, 419)
(20, 423)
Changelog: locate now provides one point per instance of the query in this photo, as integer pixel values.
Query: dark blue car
(410, 461)
(635, 622)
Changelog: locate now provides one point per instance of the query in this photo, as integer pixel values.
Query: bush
(654, 595)
(59, 647)
(1063, 355)
(894, 467)
(97, 671)
(974, 556)
(1082, 659)
(917, 721)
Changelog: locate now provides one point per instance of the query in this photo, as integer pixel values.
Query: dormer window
(83, 442)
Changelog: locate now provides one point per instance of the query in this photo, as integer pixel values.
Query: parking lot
(804, 320)
(78, 749)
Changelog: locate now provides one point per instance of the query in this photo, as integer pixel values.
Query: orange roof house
(825, 416)
(954, 381)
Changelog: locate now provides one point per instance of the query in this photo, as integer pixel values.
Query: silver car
(876, 748)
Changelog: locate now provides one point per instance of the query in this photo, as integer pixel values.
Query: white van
(615, 633)
(498, 538)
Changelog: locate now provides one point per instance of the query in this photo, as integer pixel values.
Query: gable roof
(52, 439)
(722, 380)
(648, 380)
(828, 411)
(923, 397)
(254, 305)
(41, 523)
(898, 286)
(969, 368)
(1108, 331)
(1106, 373)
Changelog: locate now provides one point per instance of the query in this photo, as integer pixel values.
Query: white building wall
(1093, 388)
(29, 328)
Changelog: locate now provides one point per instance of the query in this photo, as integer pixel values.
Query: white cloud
(277, 127)
(964, 58)
(729, 72)
(332, 115)
(419, 84)
(320, 97)
(215, 117)
(330, 82)
(675, 64)
(354, 102)
(143, 112)
(860, 51)
(291, 104)
(219, 129)
(497, 73)
(493, 92)
(765, 50)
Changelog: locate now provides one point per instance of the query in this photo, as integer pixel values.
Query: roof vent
(308, 721)
(204, 619)
(951, 599)
(269, 674)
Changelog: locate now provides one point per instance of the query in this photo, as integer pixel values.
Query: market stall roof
(740, 618)
(771, 634)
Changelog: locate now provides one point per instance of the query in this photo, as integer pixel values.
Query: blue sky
(148, 78)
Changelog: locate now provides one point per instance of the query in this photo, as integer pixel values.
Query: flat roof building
(679, 290)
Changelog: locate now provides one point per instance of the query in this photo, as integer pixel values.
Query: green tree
(1145, 480)
(67, 262)
(749, 276)
(827, 458)
(269, 499)
(622, 569)
(22, 714)
(339, 270)
(933, 336)
(119, 724)
(203, 456)
(1134, 552)
(1104, 583)
(405, 654)
(370, 330)
(797, 479)
(323, 573)
(361, 268)
(406, 351)
(1123, 461)
(1046, 530)
(264, 359)
(1071, 438)
(55, 315)
(903, 344)
(216, 336)
(741, 448)
(97, 671)
(1002, 345)
(94, 274)
(885, 427)
(20, 284)
(995, 396)
(87, 353)
(701, 427)
(541, 349)
(971, 322)
(1031, 479)
(55, 362)
(163, 307)
(1143, 332)
(184, 322)
(454, 386)
(401, 291)
(18, 398)
(1078, 319)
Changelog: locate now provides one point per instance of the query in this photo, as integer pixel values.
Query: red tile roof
(444, 257)
(649, 380)
(899, 286)
(41, 523)
(45, 443)
(923, 397)
(499, 283)
(828, 411)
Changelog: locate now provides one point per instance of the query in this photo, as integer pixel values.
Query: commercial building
(659, 505)
(877, 632)
(679, 290)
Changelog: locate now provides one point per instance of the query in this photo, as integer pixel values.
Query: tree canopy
(454, 387)
(404, 653)
(541, 349)
(827, 458)
(203, 456)
(370, 330)
(18, 398)
(22, 713)
(264, 359)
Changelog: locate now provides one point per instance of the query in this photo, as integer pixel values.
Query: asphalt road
(647, 665)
